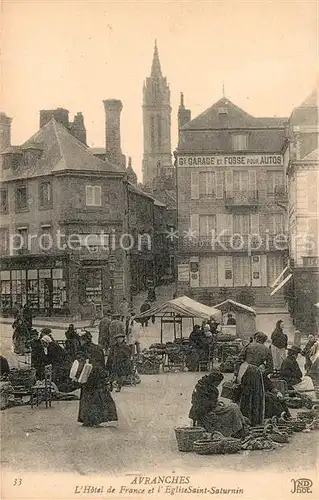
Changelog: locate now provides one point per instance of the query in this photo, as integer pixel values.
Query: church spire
(156, 71)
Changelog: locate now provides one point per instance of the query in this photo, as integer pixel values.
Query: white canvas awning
(282, 283)
(182, 306)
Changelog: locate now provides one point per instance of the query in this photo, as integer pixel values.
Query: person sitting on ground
(104, 331)
(4, 368)
(313, 371)
(72, 343)
(306, 352)
(291, 373)
(118, 363)
(230, 319)
(206, 411)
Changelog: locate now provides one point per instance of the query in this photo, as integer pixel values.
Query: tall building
(231, 199)
(156, 124)
(303, 220)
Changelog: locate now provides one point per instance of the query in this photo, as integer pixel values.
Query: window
(241, 224)
(45, 241)
(278, 224)
(207, 183)
(239, 142)
(21, 198)
(241, 180)
(4, 241)
(22, 241)
(208, 271)
(45, 195)
(228, 275)
(241, 271)
(274, 179)
(3, 200)
(207, 223)
(275, 267)
(93, 196)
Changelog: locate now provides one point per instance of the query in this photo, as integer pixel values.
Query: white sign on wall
(183, 272)
(229, 160)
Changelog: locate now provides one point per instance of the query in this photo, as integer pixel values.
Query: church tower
(156, 123)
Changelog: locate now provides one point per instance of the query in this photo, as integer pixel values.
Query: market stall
(244, 316)
(171, 355)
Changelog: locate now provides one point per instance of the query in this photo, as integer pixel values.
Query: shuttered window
(274, 267)
(241, 267)
(208, 271)
(93, 196)
(241, 180)
(194, 185)
(207, 183)
(274, 179)
(207, 223)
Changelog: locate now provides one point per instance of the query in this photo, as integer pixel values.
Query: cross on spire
(223, 89)
(156, 65)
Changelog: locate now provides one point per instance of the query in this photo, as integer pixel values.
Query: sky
(74, 54)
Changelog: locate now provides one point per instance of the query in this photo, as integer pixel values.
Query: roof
(97, 151)
(182, 306)
(230, 304)
(234, 119)
(313, 156)
(134, 189)
(61, 152)
(207, 132)
(307, 112)
(165, 197)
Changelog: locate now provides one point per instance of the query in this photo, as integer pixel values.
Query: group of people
(255, 396)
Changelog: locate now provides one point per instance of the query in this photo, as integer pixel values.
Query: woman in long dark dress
(96, 403)
(252, 390)
(212, 414)
(119, 364)
(60, 361)
(72, 343)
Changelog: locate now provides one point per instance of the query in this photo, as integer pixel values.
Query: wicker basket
(22, 378)
(298, 425)
(186, 436)
(217, 446)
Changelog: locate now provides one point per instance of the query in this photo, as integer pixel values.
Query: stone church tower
(156, 124)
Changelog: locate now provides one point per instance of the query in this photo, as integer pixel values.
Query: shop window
(21, 198)
(239, 142)
(4, 201)
(5, 288)
(45, 195)
(18, 287)
(93, 196)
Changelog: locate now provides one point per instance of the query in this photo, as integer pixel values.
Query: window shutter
(194, 185)
(219, 175)
(221, 222)
(252, 180)
(89, 195)
(270, 182)
(263, 270)
(229, 182)
(97, 195)
(210, 177)
(229, 223)
(254, 223)
(194, 223)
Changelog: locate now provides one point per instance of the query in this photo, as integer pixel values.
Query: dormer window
(223, 111)
(31, 154)
(239, 142)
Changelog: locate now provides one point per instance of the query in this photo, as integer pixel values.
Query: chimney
(184, 115)
(60, 114)
(113, 108)
(77, 128)
(5, 132)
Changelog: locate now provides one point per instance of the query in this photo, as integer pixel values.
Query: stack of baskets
(186, 436)
(217, 445)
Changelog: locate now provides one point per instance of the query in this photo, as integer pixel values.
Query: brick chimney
(113, 108)
(60, 114)
(77, 128)
(5, 132)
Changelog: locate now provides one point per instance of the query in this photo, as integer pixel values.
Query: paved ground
(144, 441)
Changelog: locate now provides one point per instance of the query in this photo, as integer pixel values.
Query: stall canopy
(245, 317)
(175, 310)
(182, 306)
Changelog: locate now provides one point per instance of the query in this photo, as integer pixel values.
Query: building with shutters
(303, 181)
(232, 198)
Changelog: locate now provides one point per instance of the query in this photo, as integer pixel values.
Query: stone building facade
(231, 198)
(303, 181)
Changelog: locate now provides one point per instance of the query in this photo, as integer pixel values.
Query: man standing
(93, 313)
(116, 327)
(124, 310)
(27, 316)
(145, 307)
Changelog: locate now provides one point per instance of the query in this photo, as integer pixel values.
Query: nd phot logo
(302, 485)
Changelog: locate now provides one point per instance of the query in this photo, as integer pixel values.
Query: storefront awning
(281, 284)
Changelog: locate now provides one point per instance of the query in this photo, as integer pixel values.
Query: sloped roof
(313, 156)
(61, 151)
(230, 304)
(183, 306)
(235, 118)
(307, 112)
(167, 198)
(312, 100)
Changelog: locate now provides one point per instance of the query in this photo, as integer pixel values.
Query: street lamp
(112, 263)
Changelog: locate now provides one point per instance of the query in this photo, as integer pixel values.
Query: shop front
(40, 281)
